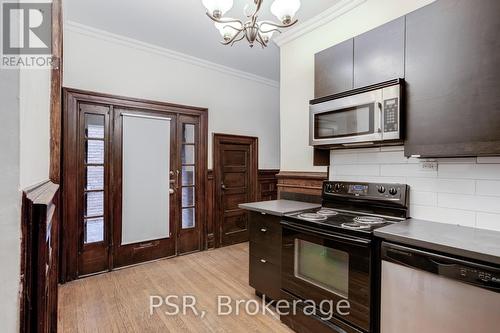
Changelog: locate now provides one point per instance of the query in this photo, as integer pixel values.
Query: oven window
(346, 122)
(322, 266)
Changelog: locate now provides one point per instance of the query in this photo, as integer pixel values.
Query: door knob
(223, 186)
(171, 191)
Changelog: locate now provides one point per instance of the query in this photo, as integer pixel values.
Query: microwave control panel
(391, 113)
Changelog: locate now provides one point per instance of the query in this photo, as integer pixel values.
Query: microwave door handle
(380, 116)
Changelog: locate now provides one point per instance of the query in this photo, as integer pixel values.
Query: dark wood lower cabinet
(265, 254)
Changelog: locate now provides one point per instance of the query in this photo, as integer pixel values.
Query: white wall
(238, 103)
(464, 191)
(10, 199)
(34, 126)
(297, 72)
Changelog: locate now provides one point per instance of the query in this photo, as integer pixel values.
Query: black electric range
(330, 254)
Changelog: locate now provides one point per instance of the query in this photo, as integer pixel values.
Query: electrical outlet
(429, 166)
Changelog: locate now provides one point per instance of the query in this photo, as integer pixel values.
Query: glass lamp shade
(217, 8)
(228, 30)
(285, 10)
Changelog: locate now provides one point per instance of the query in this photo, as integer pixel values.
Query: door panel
(144, 207)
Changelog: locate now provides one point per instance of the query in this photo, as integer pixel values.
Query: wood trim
(210, 200)
(55, 94)
(305, 186)
(218, 139)
(71, 98)
(39, 258)
(268, 184)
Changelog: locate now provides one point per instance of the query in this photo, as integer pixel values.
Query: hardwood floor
(120, 301)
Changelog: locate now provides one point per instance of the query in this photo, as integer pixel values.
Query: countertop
(466, 242)
(278, 207)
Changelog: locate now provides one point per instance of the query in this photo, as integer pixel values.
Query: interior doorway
(235, 181)
(134, 177)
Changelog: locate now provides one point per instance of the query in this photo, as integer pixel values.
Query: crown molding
(339, 9)
(178, 56)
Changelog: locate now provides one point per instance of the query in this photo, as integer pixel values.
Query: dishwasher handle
(479, 275)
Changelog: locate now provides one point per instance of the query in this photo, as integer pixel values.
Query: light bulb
(217, 8)
(267, 31)
(285, 10)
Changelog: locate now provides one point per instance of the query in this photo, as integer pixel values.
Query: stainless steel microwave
(361, 117)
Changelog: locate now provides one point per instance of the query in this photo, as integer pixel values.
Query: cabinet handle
(263, 261)
(263, 229)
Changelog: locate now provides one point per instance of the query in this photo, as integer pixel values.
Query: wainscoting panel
(302, 186)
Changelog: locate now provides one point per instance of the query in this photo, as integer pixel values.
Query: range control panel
(391, 115)
(368, 191)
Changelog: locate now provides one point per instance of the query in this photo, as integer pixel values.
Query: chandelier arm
(266, 31)
(232, 38)
(258, 4)
(237, 40)
(261, 40)
(277, 25)
(223, 20)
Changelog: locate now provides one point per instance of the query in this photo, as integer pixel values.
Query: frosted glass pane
(94, 230)
(95, 152)
(187, 196)
(187, 175)
(188, 218)
(146, 167)
(95, 178)
(187, 154)
(188, 133)
(94, 204)
(94, 126)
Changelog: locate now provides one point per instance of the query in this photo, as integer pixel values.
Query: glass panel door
(188, 187)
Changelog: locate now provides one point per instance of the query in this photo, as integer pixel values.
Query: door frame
(218, 140)
(69, 222)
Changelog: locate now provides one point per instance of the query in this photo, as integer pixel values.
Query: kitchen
(342, 174)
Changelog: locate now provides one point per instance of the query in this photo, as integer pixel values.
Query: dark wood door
(236, 182)
(379, 54)
(453, 79)
(333, 69)
(145, 187)
(95, 208)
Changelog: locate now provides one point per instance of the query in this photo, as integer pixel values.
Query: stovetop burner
(355, 226)
(369, 220)
(327, 212)
(312, 216)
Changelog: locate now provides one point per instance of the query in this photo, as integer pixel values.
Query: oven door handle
(327, 234)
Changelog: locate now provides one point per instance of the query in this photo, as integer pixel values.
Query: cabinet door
(333, 69)
(453, 79)
(379, 54)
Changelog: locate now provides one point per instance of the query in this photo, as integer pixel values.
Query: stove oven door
(319, 265)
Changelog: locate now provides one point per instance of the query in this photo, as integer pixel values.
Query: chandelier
(234, 30)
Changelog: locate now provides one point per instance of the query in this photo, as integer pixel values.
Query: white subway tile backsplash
(489, 160)
(464, 191)
(487, 171)
(469, 202)
(488, 187)
(444, 215)
(423, 198)
(488, 221)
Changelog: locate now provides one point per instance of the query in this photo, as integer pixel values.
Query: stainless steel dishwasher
(432, 293)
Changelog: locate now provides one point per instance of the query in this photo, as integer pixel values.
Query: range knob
(393, 191)
(328, 187)
(337, 187)
(381, 189)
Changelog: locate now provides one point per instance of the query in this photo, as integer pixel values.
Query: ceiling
(182, 26)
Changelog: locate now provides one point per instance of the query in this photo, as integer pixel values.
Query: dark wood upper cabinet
(379, 54)
(333, 69)
(453, 79)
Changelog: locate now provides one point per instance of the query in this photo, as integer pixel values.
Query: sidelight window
(93, 210)
(188, 183)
